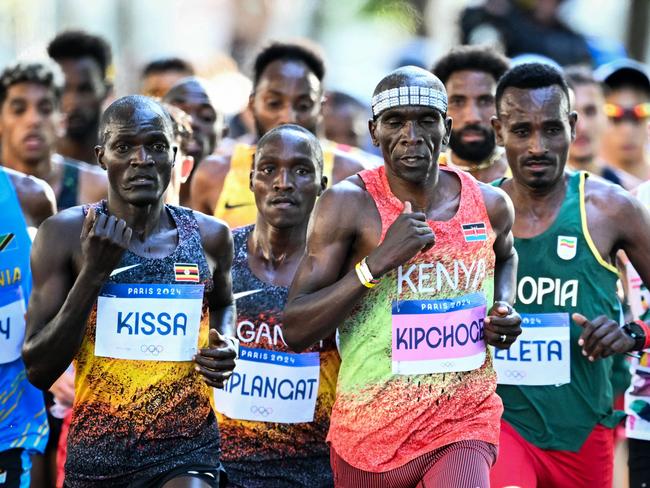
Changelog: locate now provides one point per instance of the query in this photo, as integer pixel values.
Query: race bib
(270, 386)
(12, 323)
(148, 322)
(438, 336)
(541, 354)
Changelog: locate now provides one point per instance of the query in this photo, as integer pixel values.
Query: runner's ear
(496, 125)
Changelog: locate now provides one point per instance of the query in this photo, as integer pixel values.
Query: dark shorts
(304, 472)
(14, 468)
(213, 476)
(639, 463)
(463, 464)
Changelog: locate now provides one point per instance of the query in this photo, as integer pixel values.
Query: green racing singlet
(560, 272)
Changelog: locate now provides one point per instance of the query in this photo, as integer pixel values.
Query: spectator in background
(627, 105)
(196, 98)
(85, 60)
(589, 103)
(345, 119)
(29, 118)
(470, 75)
(524, 26)
(160, 75)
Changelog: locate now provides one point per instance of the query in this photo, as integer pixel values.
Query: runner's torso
(236, 204)
(23, 423)
(139, 417)
(560, 271)
(295, 390)
(382, 420)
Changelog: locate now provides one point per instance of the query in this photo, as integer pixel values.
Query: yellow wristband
(362, 278)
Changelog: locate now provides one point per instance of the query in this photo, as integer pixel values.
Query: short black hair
(116, 110)
(627, 79)
(579, 75)
(301, 52)
(531, 76)
(167, 64)
(473, 58)
(30, 72)
(77, 44)
(313, 141)
(336, 99)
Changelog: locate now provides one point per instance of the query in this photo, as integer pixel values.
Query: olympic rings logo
(152, 349)
(515, 374)
(263, 411)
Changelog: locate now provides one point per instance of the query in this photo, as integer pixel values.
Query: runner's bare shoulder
(59, 237)
(35, 196)
(498, 205)
(610, 201)
(340, 208)
(215, 234)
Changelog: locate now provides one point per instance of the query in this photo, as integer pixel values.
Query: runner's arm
(503, 323)
(502, 216)
(59, 305)
(635, 235)
(322, 294)
(216, 362)
(218, 246)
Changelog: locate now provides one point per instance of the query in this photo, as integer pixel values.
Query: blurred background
(361, 39)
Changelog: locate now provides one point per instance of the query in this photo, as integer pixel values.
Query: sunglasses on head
(618, 113)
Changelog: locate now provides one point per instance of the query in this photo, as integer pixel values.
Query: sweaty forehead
(139, 119)
(549, 101)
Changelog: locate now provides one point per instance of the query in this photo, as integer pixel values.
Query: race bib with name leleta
(540, 355)
(438, 336)
(270, 386)
(12, 323)
(148, 322)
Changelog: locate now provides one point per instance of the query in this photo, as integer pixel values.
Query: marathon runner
(29, 114)
(85, 60)
(555, 384)
(390, 252)
(130, 302)
(470, 75)
(275, 436)
(192, 95)
(287, 89)
(25, 203)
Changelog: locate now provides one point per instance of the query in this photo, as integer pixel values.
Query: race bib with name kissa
(438, 336)
(270, 386)
(148, 322)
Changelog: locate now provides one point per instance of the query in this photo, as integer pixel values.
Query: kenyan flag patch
(475, 232)
(186, 272)
(8, 242)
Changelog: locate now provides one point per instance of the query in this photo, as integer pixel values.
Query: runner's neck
(275, 247)
(145, 220)
(424, 195)
(538, 202)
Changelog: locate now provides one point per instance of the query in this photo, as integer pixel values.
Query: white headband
(409, 95)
